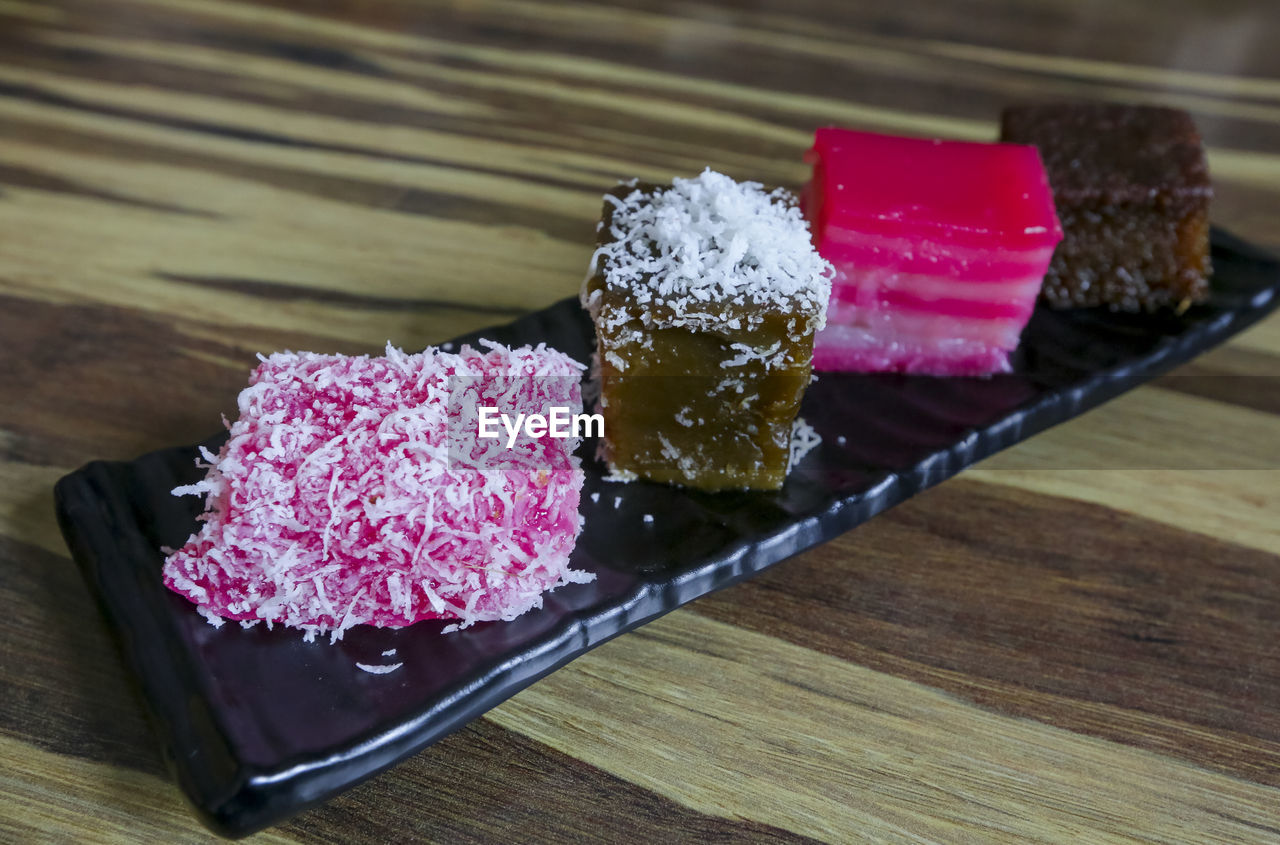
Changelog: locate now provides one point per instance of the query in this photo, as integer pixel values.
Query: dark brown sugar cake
(705, 295)
(1132, 191)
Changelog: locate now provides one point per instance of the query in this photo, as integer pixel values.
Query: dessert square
(341, 497)
(939, 249)
(705, 295)
(1132, 190)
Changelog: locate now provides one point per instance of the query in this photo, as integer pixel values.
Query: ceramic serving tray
(258, 725)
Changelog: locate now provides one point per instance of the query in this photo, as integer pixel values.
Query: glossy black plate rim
(234, 799)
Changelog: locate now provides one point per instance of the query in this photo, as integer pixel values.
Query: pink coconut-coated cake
(337, 500)
(940, 248)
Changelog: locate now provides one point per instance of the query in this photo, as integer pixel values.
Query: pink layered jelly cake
(344, 495)
(940, 248)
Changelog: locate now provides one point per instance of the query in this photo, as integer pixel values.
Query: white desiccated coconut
(335, 501)
(804, 439)
(707, 242)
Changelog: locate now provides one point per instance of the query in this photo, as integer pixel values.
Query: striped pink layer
(883, 320)
(936, 258)
(854, 349)
(878, 288)
(940, 248)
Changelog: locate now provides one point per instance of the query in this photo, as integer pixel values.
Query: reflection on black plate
(258, 724)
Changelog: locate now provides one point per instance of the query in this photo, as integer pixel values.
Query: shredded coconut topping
(804, 439)
(334, 502)
(708, 242)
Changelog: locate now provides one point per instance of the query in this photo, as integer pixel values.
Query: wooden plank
(1071, 642)
(1078, 615)
(911, 764)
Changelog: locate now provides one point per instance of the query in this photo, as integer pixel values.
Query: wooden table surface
(1078, 640)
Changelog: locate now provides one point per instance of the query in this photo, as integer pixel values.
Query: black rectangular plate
(258, 725)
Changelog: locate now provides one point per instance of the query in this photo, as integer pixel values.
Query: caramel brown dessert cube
(705, 295)
(1132, 191)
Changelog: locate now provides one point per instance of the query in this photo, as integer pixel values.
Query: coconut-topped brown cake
(706, 294)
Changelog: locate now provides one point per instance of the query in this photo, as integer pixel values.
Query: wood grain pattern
(1074, 641)
(920, 764)
(1091, 618)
